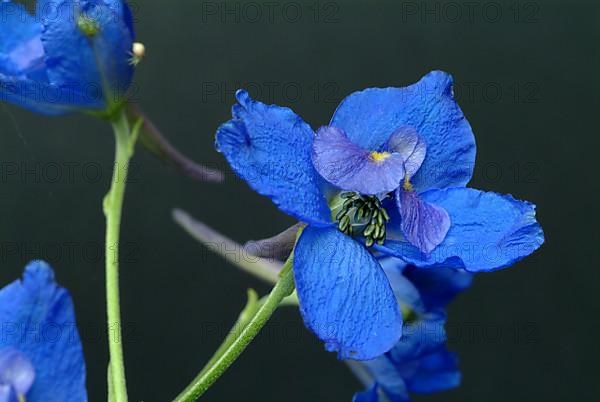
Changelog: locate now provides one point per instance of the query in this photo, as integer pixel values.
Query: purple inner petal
(16, 370)
(424, 225)
(352, 168)
(408, 143)
(7, 393)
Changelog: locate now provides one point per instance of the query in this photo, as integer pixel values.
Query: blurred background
(526, 77)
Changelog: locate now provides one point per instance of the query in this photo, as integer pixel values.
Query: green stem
(244, 319)
(113, 206)
(227, 354)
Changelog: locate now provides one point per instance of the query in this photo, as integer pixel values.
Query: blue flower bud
(72, 55)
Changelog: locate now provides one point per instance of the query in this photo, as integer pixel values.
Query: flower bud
(72, 55)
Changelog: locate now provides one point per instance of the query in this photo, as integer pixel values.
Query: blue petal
(8, 393)
(38, 319)
(406, 292)
(127, 16)
(388, 378)
(421, 337)
(370, 117)
(270, 148)
(369, 395)
(42, 97)
(423, 224)
(23, 78)
(352, 168)
(435, 372)
(425, 289)
(21, 49)
(16, 369)
(438, 286)
(419, 362)
(489, 231)
(345, 297)
(97, 66)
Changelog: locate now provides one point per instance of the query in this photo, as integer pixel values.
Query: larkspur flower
(388, 173)
(71, 55)
(420, 362)
(41, 358)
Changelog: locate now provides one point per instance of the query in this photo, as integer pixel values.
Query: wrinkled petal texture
(345, 297)
(489, 231)
(97, 66)
(39, 320)
(352, 168)
(370, 117)
(423, 224)
(270, 148)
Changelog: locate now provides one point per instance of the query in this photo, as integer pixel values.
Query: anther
(363, 211)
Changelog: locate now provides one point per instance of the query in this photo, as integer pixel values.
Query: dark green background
(527, 80)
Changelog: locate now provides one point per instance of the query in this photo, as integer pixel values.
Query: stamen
(138, 51)
(364, 212)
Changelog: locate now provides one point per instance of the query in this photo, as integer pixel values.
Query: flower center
(87, 25)
(362, 214)
(379, 157)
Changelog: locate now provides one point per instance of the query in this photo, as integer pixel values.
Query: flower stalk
(234, 345)
(155, 142)
(125, 139)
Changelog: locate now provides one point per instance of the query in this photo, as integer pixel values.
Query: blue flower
(41, 358)
(420, 362)
(388, 172)
(71, 55)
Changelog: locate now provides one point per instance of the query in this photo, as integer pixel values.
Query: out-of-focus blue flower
(389, 171)
(420, 362)
(41, 358)
(70, 55)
